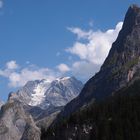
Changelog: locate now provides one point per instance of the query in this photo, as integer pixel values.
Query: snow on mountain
(62, 90)
(39, 90)
(45, 93)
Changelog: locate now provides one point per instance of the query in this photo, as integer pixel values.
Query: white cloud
(1, 3)
(98, 44)
(12, 65)
(91, 47)
(93, 51)
(84, 70)
(79, 49)
(63, 68)
(19, 77)
(80, 33)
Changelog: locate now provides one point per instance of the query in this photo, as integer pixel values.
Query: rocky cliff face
(14, 122)
(121, 67)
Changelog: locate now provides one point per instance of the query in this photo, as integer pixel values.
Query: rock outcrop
(14, 122)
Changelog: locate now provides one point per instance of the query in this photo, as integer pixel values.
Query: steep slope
(116, 118)
(14, 121)
(121, 67)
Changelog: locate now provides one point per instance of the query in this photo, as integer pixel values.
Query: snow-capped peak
(44, 93)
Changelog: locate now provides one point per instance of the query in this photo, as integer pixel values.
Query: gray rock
(43, 97)
(14, 121)
(44, 93)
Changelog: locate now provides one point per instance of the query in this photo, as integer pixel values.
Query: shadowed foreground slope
(117, 118)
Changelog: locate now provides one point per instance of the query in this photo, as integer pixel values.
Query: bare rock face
(42, 98)
(31, 133)
(14, 122)
(121, 67)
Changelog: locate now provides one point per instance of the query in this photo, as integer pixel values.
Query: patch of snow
(63, 79)
(39, 93)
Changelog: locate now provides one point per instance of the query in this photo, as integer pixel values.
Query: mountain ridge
(119, 72)
(44, 93)
(45, 100)
(27, 111)
(120, 67)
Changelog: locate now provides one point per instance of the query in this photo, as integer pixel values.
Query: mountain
(108, 105)
(44, 99)
(14, 121)
(116, 118)
(45, 93)
(121, 67)
(35, 106)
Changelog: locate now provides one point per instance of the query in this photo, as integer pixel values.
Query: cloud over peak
(97, 44)
(12, 65)
(19, 77)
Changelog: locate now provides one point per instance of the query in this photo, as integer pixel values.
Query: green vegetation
(116, 118)
(125, 68)
(131, 63)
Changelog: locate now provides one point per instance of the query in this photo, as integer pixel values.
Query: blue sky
(52, 38)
